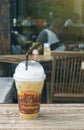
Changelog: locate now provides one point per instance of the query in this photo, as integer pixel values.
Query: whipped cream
(35, 71)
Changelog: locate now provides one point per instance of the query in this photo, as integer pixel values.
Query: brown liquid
(29, 102)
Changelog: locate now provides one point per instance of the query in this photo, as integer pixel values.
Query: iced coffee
(29, 84)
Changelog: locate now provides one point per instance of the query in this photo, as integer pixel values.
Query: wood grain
(51, 117)
(18, 58)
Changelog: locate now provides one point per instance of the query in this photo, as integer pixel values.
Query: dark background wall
(4, 34)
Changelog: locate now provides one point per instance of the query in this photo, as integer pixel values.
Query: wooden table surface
(15, 59)
(51, 117)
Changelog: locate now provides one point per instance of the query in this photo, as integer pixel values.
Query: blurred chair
(67, 79)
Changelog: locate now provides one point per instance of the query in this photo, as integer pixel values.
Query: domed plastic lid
(35, 71)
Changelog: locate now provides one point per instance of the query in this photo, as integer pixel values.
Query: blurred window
(67, 15)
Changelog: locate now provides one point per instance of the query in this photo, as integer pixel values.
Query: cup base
(29, 116)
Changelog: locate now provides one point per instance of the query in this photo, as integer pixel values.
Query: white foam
(35, 71)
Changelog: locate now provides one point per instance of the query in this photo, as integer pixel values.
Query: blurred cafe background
(28, 18)
(22, 21)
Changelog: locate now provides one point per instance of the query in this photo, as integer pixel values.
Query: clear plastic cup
(29, 85)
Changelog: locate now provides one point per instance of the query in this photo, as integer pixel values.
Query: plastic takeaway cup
(29, 84)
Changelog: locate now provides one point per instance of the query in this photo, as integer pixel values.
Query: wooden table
(51, 117)
(15, 59)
